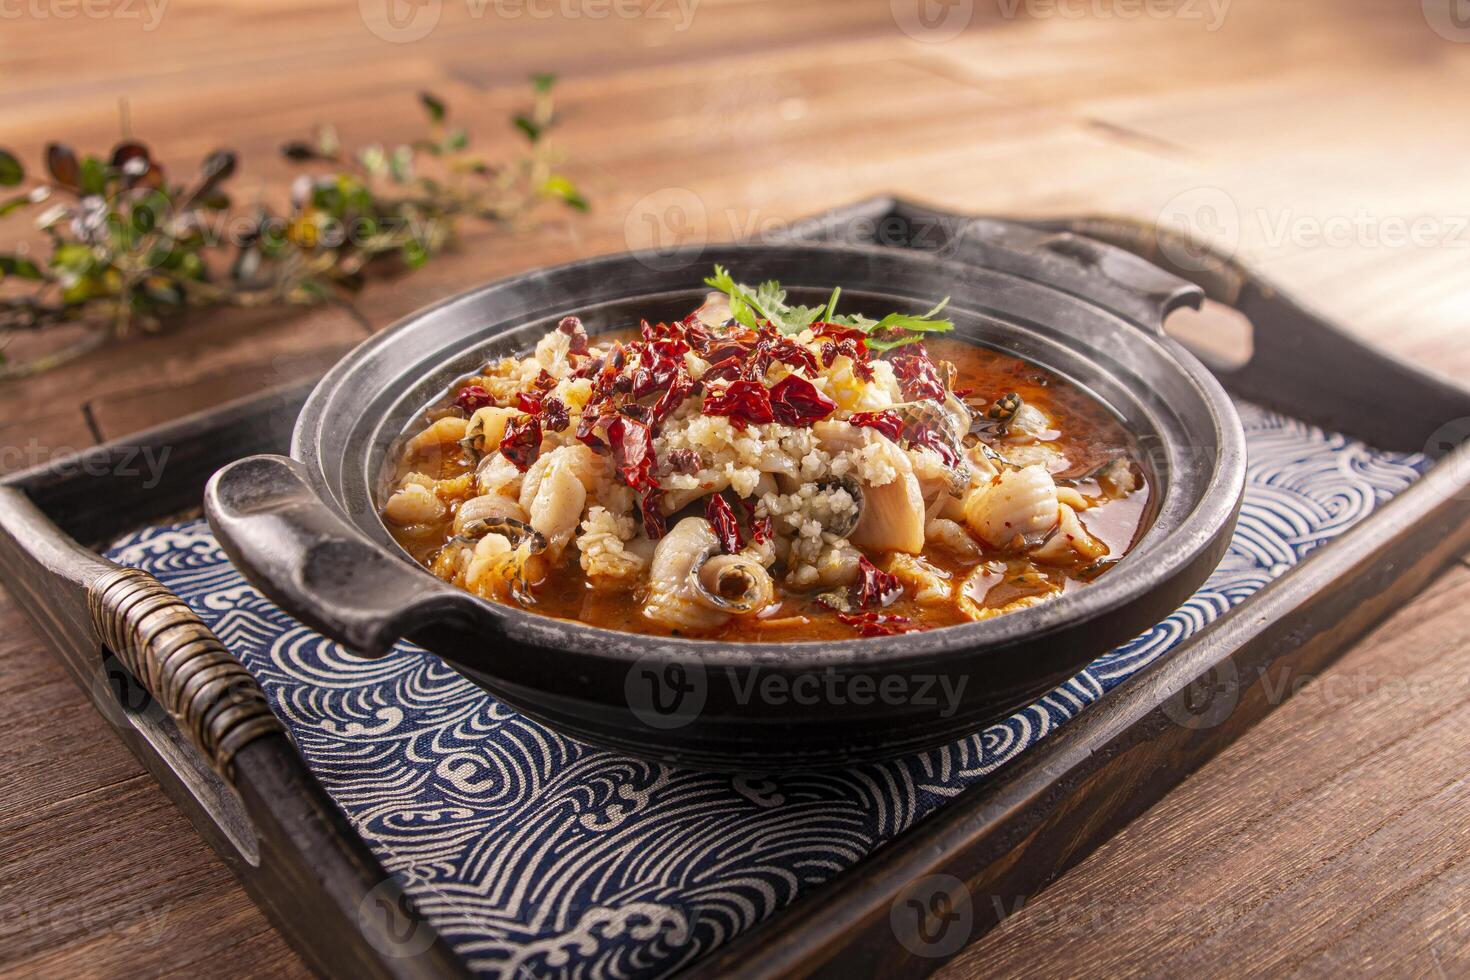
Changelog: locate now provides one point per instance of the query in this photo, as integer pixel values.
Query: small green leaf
(739, 307)
(543, 82)
(529, 127)
(434, 106)
(93, 176)
(73, 258)
(21, 200)
(902, 340)
(215, 200)
(11, 172)
(565, 191)
(458, 139)
(414, 254)
(20, 267)
(924, 322)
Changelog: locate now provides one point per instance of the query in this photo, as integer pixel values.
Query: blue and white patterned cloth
(537, 855)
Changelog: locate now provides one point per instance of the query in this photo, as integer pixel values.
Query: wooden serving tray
(185, 709)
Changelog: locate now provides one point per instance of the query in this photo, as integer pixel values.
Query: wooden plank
(101, 868)
(1302, 849)
(141, 382)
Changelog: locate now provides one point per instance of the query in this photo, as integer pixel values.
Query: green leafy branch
(130, 249)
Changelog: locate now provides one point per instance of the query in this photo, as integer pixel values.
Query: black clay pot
(307, 532)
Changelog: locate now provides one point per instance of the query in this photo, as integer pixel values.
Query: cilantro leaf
(742, 304)
(923, 322)
(768, 302)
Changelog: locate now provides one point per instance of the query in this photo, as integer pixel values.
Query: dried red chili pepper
(855, 351)
(685, 461)
(528, 402)
(783, 349)
(878, 624)
(874, 586)
(633, 455)
(522, 441)
(918, 378)
(726, 348)
(888, 424)
(837, 331)
(725, 369)
(680, 388)
(742, 402)
(761, 530)
(572, 327)
(639, 413)
(796, 401)
(655, 524)
(587, 433)
(544, 381)
(554, 415)
(721, 517)
(655, 373)
(472, 398)
(589, 367)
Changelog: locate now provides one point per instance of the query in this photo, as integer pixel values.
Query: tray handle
(1302, 363)
(1109, 274)
(181, 663)
(281, 535)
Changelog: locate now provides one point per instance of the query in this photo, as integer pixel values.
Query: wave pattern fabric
(535, 855)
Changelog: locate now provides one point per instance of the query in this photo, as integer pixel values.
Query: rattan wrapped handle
(181, 663)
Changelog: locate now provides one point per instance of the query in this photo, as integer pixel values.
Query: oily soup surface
(1081, 438)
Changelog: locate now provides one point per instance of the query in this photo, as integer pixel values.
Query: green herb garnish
(768, 303)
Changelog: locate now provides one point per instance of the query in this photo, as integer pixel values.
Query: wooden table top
(1327, 139)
